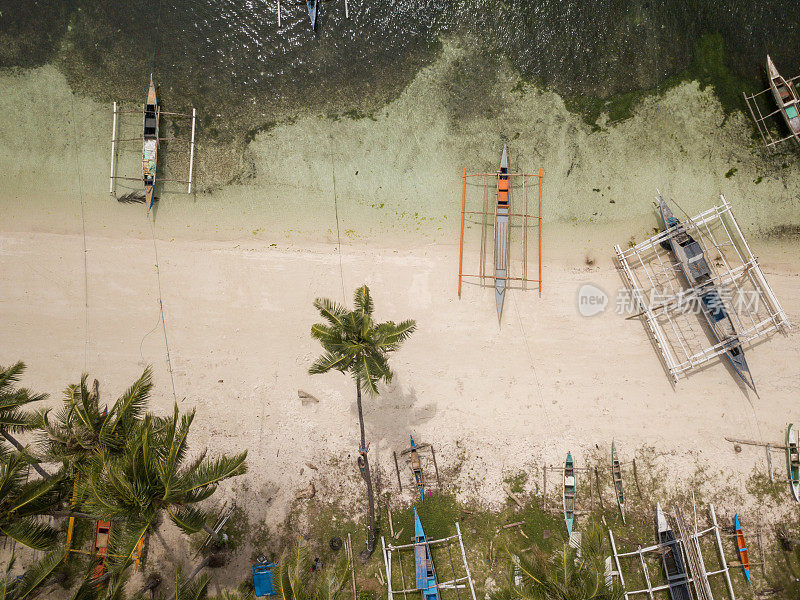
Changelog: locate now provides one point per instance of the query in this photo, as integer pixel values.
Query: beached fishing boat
(697, 273)
(312, 12)
(150, 144)
(569, 493)
(501, 229)
(793, 461)
(786, 98)
(672, 559)
(616, 472)
(423, 562)
(742, 547)
(102, 534)
(416, 469)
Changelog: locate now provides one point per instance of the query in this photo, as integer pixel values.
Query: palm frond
(36, 575)
(363, 301)
(211, 472)
(329, 361)
(34, 497)
(370, 370)
(9, 377)
(329, 584)
(188, 518)
(393, 335)
(30, 532)
(193, 590)
(330, 311)
(291, 582)
(123, 543)
(131, 406)
(14, 420)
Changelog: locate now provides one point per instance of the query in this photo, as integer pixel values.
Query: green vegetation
(120, 464)
(517, 481)
(562, 574)
(356, 345)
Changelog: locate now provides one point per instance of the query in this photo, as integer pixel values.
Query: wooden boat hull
(570, 484)
(672, 559)
(793, 461)
(616, 473)
(501, 233)
(416, 468)
(740, 543)
(787, 99)
(150, 144)
(102, 535)
(697, 273)
(423, 563)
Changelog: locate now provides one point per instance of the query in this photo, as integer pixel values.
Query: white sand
(239, 274)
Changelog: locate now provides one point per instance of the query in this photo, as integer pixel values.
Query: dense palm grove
(93, 461)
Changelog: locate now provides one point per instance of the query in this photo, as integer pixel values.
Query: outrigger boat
(101, 537)
(697, 273)
(312, 13)
(786, 97)
(742, 548)
(616, 472)
(150, 144)
(569, 493)
(793, 461)
(416, 468)
(151, 115)
(672, 559)
(501, 233)
(423, 561)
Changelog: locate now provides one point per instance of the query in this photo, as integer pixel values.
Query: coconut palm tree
(82, 430)
(354, 344)
(22, 501)
(562, 575)
(13, 419)
(151, 477)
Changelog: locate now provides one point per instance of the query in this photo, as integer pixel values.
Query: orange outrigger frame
(482, 272)
(101, 552)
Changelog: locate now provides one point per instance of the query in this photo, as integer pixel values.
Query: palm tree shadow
(394, 415)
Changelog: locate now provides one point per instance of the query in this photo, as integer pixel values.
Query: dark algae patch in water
(239, 70)
(245, 75)
(31, 31)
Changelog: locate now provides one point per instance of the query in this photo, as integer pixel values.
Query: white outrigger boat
(697, 273)
(786, 98)
(151, 119)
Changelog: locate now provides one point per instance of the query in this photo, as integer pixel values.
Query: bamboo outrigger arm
(115, 141)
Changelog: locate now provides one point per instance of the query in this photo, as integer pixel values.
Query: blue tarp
(262, 579)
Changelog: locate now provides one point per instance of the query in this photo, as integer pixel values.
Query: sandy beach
(238, 268)
(499, 399)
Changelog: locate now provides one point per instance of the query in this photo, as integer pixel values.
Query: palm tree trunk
(21, 448)
(367, 478)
